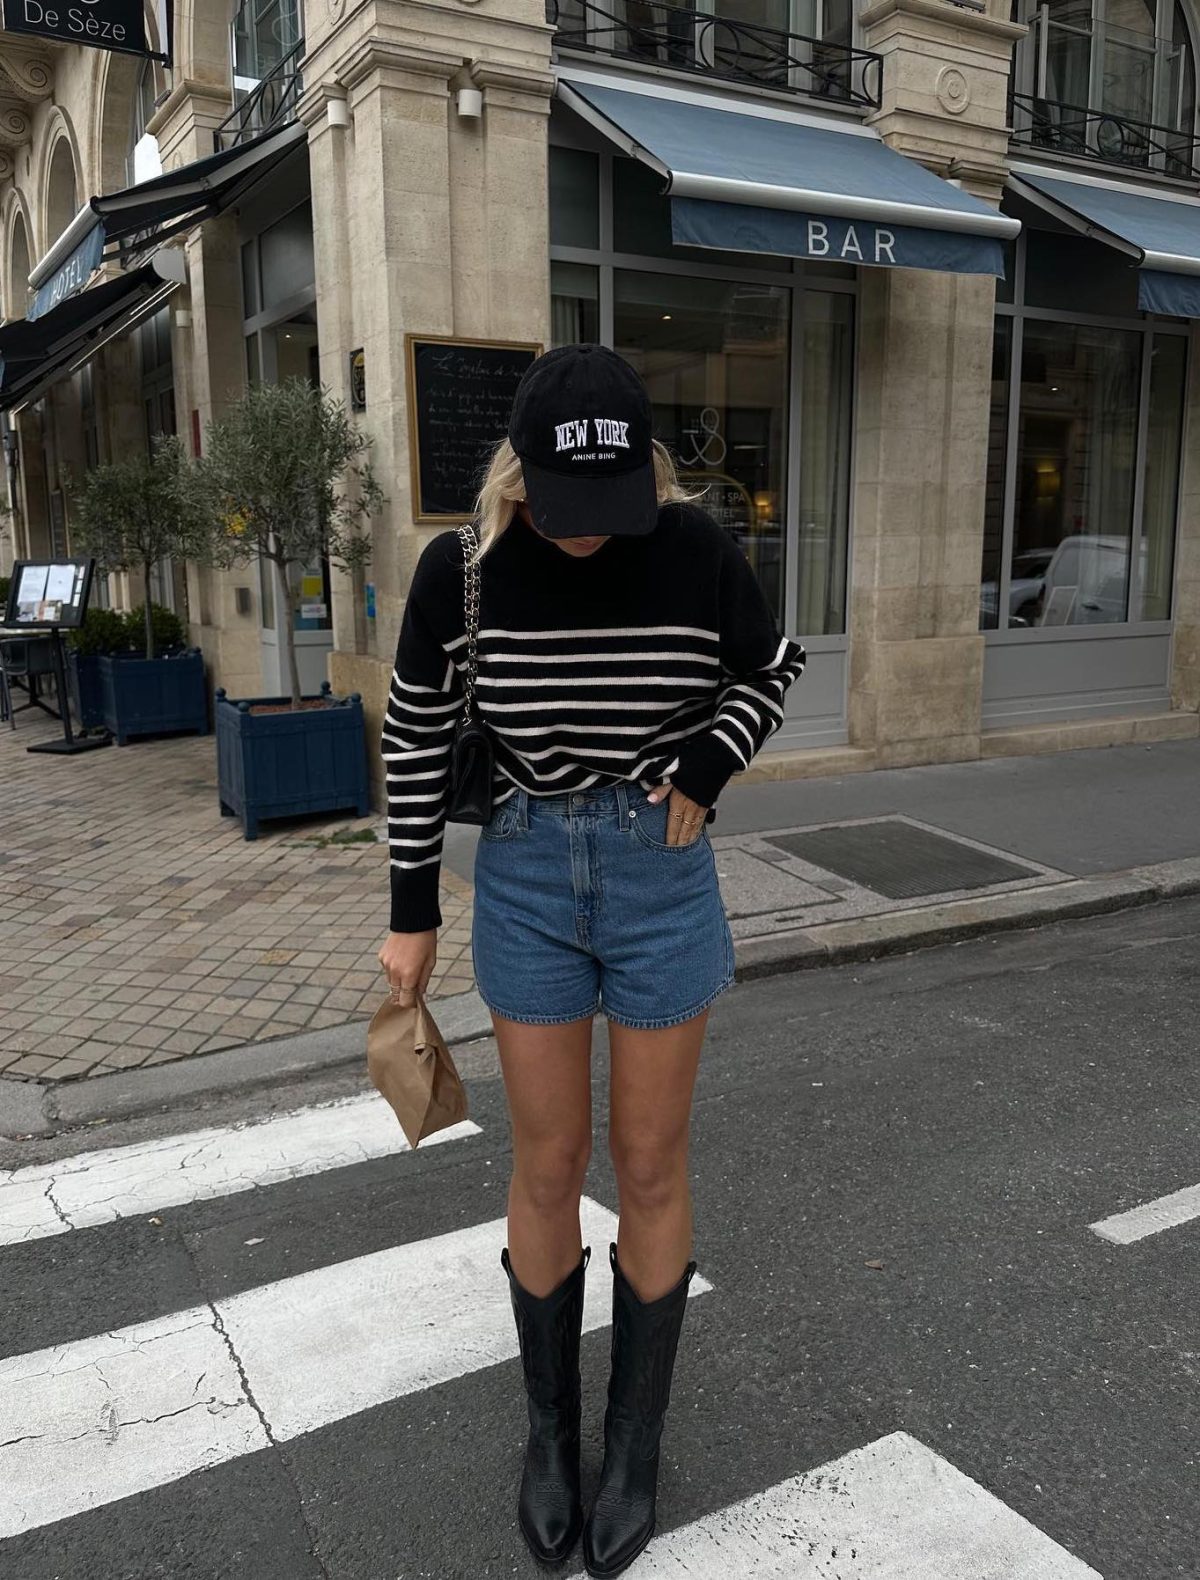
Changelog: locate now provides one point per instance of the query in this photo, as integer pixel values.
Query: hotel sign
(97, 24)
(71, 275)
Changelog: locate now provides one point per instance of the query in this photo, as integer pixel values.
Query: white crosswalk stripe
(99, 1187)
(1166, 1212)
(85, 1423)
(120, 1413)
(893, 1510)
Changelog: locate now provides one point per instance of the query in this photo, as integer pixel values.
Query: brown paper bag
(410, 1064)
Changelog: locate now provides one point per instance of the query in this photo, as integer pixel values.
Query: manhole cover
(898, 860)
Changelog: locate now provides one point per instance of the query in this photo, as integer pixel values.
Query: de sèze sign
(100, 24)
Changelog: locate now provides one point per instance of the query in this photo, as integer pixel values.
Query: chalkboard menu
(460, 394)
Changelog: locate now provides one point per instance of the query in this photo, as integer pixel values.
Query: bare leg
(547, 1078)
(653, 1075)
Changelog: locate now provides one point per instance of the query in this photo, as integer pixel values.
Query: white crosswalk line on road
(97, 1187)
(893, 1510)
(1167, 1212)
(85, 1423)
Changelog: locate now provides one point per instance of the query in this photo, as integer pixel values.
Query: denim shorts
(581, 906)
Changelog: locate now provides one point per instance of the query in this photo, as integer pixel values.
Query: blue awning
(755, 178)
(1159, 231)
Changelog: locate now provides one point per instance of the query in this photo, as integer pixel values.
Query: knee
(648, 1176)
(551, 1175)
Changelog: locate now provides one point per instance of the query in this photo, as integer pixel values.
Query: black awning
(194, 191)
(35, 353)
(139, 219)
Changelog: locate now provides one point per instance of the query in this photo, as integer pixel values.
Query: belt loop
(622, 807)
(522, 810)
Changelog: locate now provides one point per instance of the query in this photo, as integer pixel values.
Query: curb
(37, 1108)
(33, 1108)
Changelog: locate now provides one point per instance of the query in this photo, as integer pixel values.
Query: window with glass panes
(1086, 444)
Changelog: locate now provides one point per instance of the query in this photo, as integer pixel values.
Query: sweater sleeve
(424, 704)
(758, 665)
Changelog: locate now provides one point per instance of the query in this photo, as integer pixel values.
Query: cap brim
(622, 505)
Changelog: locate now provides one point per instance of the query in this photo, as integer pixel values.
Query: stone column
(425, 222)
(925, 342)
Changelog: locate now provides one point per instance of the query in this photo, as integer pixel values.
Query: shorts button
(578, 800)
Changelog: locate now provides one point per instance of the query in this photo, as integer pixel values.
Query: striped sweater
(654, 659)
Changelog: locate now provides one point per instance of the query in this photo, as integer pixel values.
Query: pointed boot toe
(645, 1338)
(549, 1510)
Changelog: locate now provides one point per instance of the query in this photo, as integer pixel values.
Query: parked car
(1083, 581)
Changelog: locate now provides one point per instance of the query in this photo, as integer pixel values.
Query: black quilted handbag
(471, 755)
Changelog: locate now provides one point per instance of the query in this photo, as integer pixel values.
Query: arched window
(62, 191)
(18, 271)
(1109, 79)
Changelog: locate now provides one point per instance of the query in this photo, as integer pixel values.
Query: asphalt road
(960, 1116)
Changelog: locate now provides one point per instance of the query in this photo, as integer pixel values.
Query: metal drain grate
(899, 861)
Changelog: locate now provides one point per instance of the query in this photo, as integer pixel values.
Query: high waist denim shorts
(582, 907)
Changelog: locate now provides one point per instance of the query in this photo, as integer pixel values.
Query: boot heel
(549, 1511)
(645, 1339)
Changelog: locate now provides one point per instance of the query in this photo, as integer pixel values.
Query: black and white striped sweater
(654, 659)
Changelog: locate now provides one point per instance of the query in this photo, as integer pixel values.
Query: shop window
(1070, 538)
(574, 304)
(826, 389)
(286, 264)
(574, 198)
(1162, 462)
(715, 357)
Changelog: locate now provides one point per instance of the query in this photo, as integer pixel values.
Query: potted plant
(289, 480)
(129, 515)
(103, 631)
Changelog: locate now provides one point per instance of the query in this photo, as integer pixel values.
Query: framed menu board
(460, 394)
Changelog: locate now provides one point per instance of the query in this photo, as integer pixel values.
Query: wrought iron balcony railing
(270, 103)
(659, 33)
(1098, 135)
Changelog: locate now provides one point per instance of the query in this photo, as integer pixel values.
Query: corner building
(914, 286)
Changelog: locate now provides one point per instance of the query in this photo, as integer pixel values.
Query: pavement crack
(282, 1459)
(59, 1213)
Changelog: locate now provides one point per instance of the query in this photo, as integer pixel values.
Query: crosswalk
(104, 1419)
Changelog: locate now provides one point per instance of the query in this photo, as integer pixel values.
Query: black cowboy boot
(548, 1328)
(645, 1336)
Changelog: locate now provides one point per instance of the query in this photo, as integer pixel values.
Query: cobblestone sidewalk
(137, 925)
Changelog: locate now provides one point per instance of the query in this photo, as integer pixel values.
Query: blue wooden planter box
(86, 691)
(151, 696)
(284, 764)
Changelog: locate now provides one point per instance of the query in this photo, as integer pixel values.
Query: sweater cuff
(705, 766)
(415, 907)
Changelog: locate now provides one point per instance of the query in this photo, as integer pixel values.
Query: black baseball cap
(581, 425)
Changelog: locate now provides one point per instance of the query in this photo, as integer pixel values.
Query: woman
(627, 666)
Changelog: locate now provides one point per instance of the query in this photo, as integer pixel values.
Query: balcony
(1085, 89)
(1102, 137)
(657, 33)
(263, 104)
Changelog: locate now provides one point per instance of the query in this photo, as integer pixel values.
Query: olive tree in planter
(290, 481)
(129, 515)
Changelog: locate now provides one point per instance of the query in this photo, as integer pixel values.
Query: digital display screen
(46, 593)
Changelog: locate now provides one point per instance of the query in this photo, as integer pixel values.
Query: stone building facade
(972, 491)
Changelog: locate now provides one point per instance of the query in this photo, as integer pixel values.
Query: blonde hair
(503, 490)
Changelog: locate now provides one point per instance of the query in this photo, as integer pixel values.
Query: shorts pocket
(503, 823)
(650, 824)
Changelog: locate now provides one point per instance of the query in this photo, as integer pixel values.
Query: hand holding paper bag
(409, 1063)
